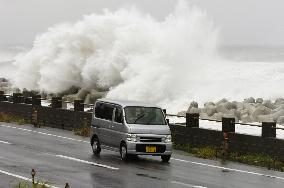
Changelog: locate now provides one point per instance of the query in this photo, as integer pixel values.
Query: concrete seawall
(195, 136)
(46, 116)
(237, 142)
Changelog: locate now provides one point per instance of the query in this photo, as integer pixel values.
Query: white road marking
(22, 177)
(230, 169)
(86, 162)
(62, 156)
(43, 133)
(4, 142)
(187, 185)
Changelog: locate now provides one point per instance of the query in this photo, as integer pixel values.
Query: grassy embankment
(209, 152)
(29, 185)
(83, 130)
(12, 119)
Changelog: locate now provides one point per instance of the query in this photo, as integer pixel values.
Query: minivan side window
(118, 115)
(104, 111)
(98, 110)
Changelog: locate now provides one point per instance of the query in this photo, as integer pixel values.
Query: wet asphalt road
(59, 157)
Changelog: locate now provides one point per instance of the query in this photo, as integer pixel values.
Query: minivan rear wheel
(166, 158)
(123, 152)
(96, 146)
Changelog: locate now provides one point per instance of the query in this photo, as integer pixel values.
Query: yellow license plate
(150, 149)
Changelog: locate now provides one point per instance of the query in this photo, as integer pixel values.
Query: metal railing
(220, 121)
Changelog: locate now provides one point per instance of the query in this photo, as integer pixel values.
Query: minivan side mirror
(168, 121)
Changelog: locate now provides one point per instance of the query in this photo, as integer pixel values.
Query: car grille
(150, 139)
(142, 148)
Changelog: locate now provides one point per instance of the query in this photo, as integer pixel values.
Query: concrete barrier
(78, 105)
(2, 96)
(46, 116)
(56, 102)
(36, 100)
(268, 129)
(17, 98)
(236, 142)
(190, 134)
(228, 124)
(192, 120)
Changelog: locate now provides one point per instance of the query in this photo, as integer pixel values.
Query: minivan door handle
(96, 126)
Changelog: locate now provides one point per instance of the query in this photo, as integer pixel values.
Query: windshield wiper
(141, 116)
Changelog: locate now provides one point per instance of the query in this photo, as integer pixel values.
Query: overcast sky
(242, 22)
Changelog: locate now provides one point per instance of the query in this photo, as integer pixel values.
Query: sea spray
(134, 56)
(128, 52)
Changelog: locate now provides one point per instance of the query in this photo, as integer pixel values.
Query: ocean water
(132, 55)
(242, 53)
(8, 54)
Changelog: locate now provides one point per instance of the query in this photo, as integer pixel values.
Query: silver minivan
(130, 127)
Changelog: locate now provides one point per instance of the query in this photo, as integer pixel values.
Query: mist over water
(134, 56)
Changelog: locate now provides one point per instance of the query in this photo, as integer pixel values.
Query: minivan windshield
(144, 115)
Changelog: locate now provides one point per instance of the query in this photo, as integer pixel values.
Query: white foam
(169, 62)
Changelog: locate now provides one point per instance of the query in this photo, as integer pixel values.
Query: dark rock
(249, 100)
(259, 100)
(260, 110)
(222, 109)
(276, 115)
(193, 104)
(210, 110)
(217, 116)
(221, 101)
(230, 105)
(268, 104)
(209, 104)
(279, 101)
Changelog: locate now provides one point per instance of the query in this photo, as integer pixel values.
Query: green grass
(30, 185)
(205, 152)
(12, 119)
(84, 130)
(209, 152)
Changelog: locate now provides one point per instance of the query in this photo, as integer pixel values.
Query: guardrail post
(78, 105)
(2, 96)
(268, 129)
(27, 97)
(228, 124)
(33, 173)
(17, 98)
(56, 102)
(36, 100)
(192, 120)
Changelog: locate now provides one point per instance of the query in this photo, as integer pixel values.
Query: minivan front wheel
(166, 158)
(96, 147)
(123, 152)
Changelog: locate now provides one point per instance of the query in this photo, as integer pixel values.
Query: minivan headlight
(168, 138)
(131, 137)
